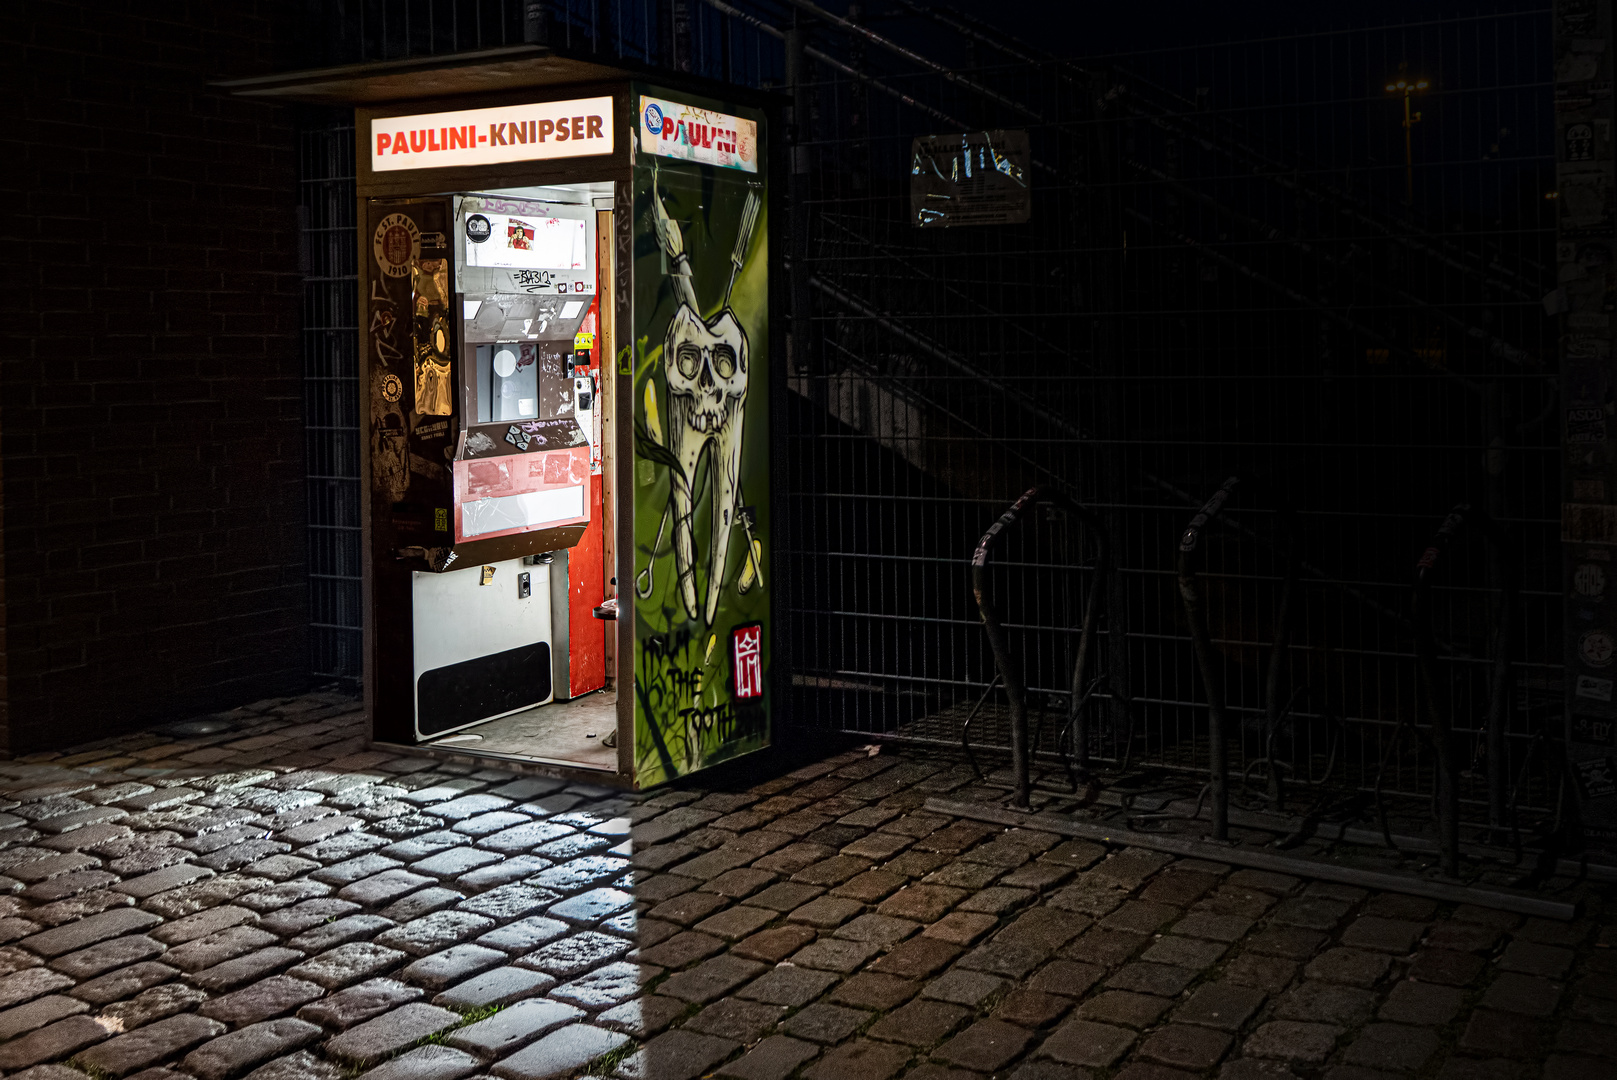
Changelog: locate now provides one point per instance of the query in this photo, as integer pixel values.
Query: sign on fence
(978, 178)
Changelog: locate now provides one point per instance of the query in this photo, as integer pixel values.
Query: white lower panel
(454, 618)
(521, 511)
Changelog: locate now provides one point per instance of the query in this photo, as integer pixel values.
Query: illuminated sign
(537, 132)
(669, 129)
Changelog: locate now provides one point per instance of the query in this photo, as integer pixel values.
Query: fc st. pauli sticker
(1596, 648)
(397, 244)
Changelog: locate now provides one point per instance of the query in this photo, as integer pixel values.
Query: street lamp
(1407, 87)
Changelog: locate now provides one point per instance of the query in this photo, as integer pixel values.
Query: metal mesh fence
(331, 393)
(1230, 270)
(709, 39)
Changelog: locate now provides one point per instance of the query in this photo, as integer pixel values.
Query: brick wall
(150, 402)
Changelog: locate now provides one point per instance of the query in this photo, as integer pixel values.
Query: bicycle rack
(1207, 660)
(965, 729)
(1439, 724)
(1274, 713)
(1008, 671)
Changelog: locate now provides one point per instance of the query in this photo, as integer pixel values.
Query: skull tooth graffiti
(705, 362)
(706, 365)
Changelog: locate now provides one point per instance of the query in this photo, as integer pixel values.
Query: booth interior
(531, 305)
(509, 651)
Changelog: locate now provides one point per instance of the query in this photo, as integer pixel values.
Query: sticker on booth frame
(396, 244)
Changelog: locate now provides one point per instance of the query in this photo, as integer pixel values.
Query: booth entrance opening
(527, 284)
(495, 477)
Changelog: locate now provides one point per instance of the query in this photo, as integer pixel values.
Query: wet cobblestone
(274, 901)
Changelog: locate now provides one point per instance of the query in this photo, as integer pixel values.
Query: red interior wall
(586, 589)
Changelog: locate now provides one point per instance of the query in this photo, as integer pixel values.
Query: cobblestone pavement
(279, 902)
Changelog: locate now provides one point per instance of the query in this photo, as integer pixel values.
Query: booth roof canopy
(514, 68)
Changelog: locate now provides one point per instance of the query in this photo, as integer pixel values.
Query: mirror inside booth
(510, 654)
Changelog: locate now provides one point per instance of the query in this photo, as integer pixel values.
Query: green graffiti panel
(700, 355)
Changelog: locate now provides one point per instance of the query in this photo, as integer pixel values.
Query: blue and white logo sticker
(654, 120)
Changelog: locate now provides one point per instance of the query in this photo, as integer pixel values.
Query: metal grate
(696, 36)
(1224, 275)
(366, 31)
(331, 393)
